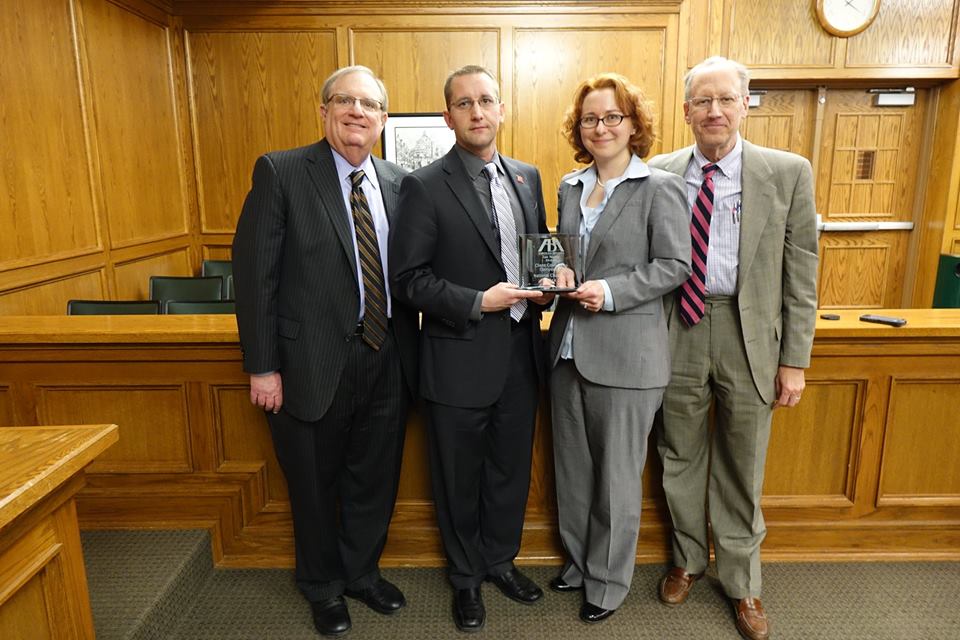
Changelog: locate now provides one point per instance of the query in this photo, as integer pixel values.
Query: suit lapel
(570, 215)
(466, 195)
(611, 212)
(389, 186)
(524, 195)
(756, 202)
(323, 172)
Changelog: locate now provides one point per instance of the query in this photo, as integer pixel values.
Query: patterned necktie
(374, 292)
(693, 292)
(509, 252)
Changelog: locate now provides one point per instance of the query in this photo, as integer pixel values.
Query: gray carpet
(804, 601)
(869, 601)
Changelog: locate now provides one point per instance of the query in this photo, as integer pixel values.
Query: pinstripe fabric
(375, 298)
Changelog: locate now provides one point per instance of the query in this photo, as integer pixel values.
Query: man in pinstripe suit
(741, 331)
(331, 355)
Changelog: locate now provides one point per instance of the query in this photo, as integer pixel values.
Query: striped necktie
(509, 251)
(693, 292)
(374, 291)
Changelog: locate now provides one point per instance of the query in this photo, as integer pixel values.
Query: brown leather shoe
(751, 620)
(676, 585)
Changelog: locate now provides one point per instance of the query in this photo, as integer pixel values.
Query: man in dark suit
(481, 351)
(331, 355)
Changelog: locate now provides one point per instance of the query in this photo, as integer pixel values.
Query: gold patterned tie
(374, 291)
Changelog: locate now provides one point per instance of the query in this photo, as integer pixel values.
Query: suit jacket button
(347, 338)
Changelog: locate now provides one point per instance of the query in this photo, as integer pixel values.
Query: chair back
(182, 307)
(185, 288)
(112, 307)
(222, 268)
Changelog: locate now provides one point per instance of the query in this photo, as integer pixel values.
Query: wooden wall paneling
(776, 33)
(922, 443)
(153, 419)
(136, 124)
(784, 120)
(217, 252)
(252, 92)
(133, 277)
(906, 33)
(810, 460)
(6, 406)
(50, 297)
(861, 269)
(550, 63)
(415, 62)
(854, 129)
(45, 213)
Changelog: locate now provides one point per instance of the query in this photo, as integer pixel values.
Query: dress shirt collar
(344, 169)
(474, 164)
(728, 164)
(588, 175)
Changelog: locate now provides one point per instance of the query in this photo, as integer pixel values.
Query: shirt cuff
(607, 296)
(475, 313)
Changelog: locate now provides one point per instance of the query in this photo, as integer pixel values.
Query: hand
(590, 294)
(565, 277)
(547, 296)
(266, 391)
(789, 385)
(504, 295)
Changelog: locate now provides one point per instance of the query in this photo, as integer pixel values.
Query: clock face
(846, 17)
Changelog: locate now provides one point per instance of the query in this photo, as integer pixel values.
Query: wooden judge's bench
(864, 468)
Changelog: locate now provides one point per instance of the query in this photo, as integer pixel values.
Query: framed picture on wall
(414, 140)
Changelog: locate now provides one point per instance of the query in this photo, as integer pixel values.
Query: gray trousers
(719, 472)
(599, 447)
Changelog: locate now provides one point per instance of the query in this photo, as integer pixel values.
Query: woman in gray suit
(608, 339)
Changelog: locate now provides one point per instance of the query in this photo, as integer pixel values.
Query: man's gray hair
(326, 91)
(711, 64)
(469, 70)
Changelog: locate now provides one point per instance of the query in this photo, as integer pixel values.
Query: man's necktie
(509, 253)
(693, 292)
(374, 292)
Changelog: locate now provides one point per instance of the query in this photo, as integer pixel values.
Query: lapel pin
(520, 179)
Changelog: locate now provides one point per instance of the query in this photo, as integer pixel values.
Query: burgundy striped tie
(693, 292)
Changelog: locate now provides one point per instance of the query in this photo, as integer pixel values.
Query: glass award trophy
(550, 262)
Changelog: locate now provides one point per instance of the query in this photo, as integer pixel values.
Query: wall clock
(845, 18)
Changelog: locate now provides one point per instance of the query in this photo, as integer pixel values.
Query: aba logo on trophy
(550, 261)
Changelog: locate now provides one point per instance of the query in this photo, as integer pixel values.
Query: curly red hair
(629, 98)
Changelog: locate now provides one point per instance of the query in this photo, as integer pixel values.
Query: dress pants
(480, 471)
(724, 466)
(600, 438)
(342, 473)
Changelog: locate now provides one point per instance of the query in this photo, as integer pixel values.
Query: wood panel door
(867, 173)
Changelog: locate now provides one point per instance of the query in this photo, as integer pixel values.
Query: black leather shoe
(469, 613)
(517, 586)
(560, 585)
(591, 614)
(331, 617)
(382, 596)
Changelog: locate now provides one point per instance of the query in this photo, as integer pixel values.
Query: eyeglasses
(702, 103)
(344, 101)
(609, 120)
(486, 103)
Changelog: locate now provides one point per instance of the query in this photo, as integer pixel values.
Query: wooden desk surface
(211, 329)
(36, 460)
